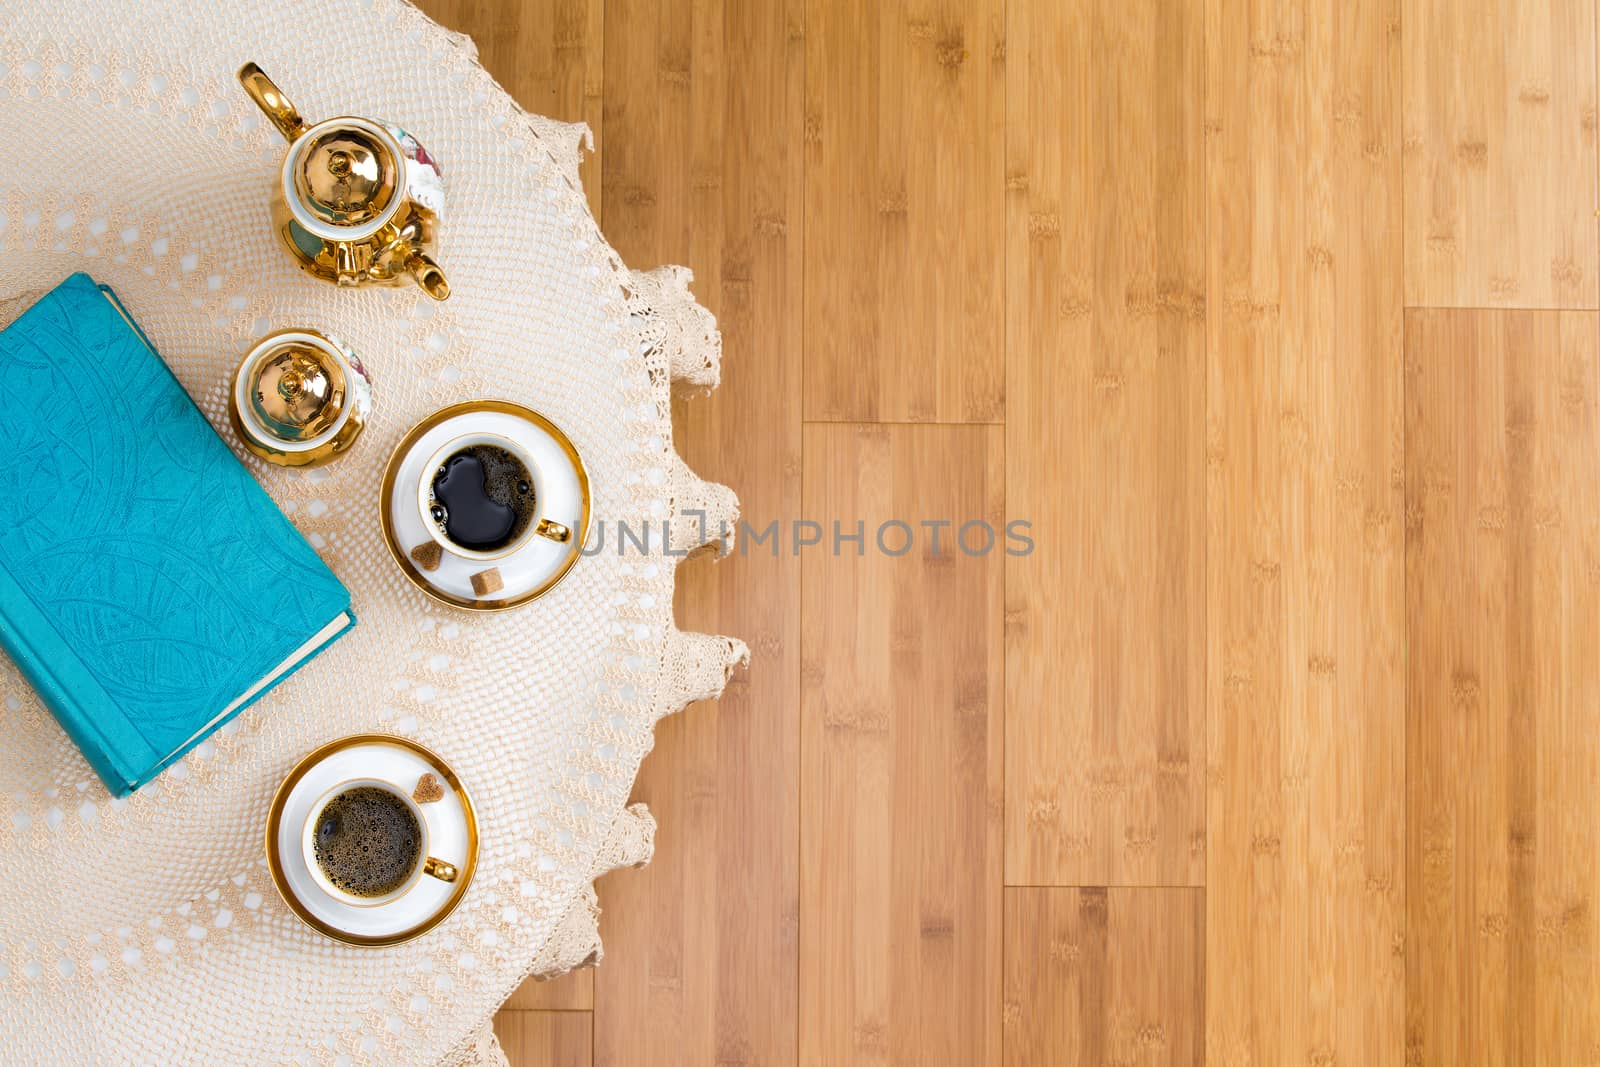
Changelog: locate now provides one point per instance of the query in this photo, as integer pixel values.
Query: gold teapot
(359, 200)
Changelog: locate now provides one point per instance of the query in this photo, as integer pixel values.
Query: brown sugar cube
(427, 555)
(428, 789)
(486, 582)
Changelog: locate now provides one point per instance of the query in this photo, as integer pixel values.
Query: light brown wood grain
(1105, 443)
(1305, 808)
(548, 54)
(546, 1038)
(1344, 560)
(703, 168)
(1503, 724)
(573, 991)
(904, 267)
(1100, 976)
(900, 752)
(1500, 153)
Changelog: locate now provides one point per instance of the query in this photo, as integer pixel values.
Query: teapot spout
(270, 99)
(428, 275)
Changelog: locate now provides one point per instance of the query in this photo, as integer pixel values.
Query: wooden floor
(1277, 320)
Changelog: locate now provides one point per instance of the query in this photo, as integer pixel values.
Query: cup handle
(270, 99)
(445, 872)
(554, 531)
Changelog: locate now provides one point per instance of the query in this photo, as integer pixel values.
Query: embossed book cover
(149, 587)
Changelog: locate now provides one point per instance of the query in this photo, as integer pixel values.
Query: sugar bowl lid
(346, 175)
(296, 391)
(300, 398)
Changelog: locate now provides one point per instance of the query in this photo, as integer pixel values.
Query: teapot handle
(270, 99)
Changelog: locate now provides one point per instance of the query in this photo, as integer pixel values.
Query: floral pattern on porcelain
(424, 175)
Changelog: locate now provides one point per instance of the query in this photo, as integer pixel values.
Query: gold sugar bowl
(358, 200)
(300, 398)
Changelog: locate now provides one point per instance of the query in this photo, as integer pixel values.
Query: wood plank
(548, 54)
(903, 195)
(546, 1038)
(901, 731)
(1105, 445)
(1305, 591)
(1503, 599)
(1098, 976)
(573, 991)
(1500, 153)
(703, 167)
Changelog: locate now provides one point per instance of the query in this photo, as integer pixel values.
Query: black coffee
(482, 498)
(367, 841)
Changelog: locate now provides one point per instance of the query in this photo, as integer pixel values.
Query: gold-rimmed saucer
(452, 829)
(522, 576)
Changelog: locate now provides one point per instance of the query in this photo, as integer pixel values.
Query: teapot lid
(346, 176)
(296, 392)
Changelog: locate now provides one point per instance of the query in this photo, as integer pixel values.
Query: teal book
(150, 590)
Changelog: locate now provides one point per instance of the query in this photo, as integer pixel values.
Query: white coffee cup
(537, 525)
(423, 863)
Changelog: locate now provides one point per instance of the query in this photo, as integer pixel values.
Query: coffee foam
(367, 841)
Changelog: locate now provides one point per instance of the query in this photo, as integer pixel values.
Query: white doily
(147, 930)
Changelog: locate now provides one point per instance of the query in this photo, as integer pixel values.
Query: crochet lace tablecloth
(147, 930)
